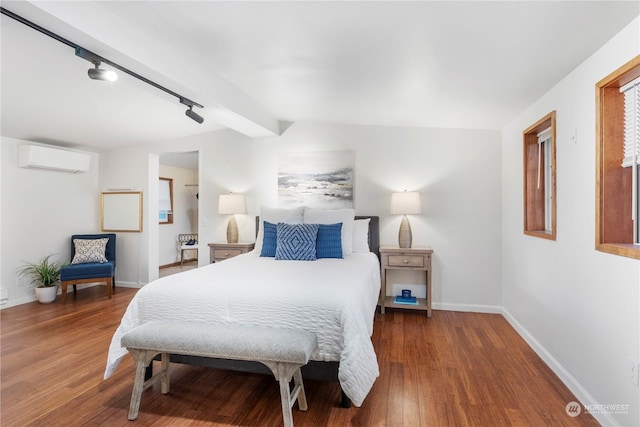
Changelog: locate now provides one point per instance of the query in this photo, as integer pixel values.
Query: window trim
(535, 202)
(612, 229)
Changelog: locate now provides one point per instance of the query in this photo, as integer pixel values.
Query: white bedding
(334, 298)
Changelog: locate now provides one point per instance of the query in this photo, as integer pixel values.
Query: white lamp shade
(230, 204)
(407, 202)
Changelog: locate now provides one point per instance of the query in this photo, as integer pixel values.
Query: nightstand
(395, 258)
(221, 251)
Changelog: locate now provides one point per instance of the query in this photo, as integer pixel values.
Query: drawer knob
(406, 261)
(226, 254)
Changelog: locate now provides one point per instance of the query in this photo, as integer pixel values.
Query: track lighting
(190, 113)
(100, 74)
(97, 73)
(193, 115)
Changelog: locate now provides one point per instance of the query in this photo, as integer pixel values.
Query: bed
(334, 298)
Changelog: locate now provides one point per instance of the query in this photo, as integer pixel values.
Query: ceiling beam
(90, 25)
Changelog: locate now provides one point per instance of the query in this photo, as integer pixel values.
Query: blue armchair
(95, 270)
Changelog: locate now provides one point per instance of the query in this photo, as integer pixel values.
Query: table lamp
(231, 204)
(404, 203)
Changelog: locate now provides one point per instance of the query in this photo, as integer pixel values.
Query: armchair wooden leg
(110, 282)
(109, 288)
(63, 286)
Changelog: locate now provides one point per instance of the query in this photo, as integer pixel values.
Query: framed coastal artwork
(317, 179)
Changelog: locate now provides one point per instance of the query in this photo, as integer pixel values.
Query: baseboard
(119, 284)
(23, 300)
(569, 380)
(133, 285)
(473, 308)
(91, 285)
(177, 263)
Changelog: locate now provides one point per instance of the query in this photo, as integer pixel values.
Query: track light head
(96, 73)
(190, 113)
(193, 115)
(100, 74)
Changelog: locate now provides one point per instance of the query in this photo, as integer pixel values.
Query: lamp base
(232, 230)
(404, 235)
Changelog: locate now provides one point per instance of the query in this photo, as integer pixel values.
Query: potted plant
(46, 276)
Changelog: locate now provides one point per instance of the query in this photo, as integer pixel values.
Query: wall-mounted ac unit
(38, 156)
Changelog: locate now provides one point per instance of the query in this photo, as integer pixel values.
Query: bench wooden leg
(283, 373)
(302, 397)
(143, 358)
(164, 369)
(285, 400)
(136, 394)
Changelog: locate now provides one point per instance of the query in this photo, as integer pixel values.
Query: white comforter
(334, 298)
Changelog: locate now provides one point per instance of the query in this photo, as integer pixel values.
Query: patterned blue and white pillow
(329, 242)
(296, 241)
(269, 241)
(89, 250)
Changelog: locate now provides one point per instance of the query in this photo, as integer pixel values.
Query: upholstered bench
(284, 351)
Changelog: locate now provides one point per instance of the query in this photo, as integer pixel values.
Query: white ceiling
(252, 64)
(185, 160)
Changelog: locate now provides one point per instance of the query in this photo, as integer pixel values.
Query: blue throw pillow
(269, 241)
(296, 241)
(329, 242)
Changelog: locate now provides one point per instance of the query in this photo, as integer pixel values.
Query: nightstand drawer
(221, 251)
(226, 253)
(406, 261)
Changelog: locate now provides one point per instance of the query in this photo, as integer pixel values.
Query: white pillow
(276, 215)
(334, 216)
(361, 235)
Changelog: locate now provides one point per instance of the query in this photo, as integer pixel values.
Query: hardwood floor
(173, 269)
(455, 369)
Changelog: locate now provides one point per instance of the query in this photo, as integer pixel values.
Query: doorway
(181, 197)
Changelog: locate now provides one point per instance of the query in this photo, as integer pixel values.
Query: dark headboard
(374, 232)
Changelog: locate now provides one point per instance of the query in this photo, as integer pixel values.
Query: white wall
(577, 307)
(128, 169)
(457, 173)
(41, 210)
(4, 293)
(185, 216)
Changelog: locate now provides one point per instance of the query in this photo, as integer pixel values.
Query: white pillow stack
(334, 216)
(355, 233)
(274, 216)
(361, 235)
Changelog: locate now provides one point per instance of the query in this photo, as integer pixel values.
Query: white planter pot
(47, 295)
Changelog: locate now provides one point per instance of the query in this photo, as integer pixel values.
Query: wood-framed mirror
(165, 200)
